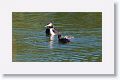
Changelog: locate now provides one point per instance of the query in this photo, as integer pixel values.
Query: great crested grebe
(63, 39)
(50, 30)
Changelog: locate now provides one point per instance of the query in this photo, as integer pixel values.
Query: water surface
(30, 44)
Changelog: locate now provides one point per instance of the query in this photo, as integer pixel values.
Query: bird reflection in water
(51, 37)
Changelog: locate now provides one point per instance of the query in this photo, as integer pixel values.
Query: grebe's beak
(46, 26)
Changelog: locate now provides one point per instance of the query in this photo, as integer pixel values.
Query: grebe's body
(63, 40)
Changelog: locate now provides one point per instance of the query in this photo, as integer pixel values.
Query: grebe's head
(49, 25)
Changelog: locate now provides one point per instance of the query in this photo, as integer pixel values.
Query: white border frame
(104, 67)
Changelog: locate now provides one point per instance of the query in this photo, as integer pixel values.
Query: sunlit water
(30, 43)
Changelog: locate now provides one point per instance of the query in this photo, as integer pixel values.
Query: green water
(30, 43)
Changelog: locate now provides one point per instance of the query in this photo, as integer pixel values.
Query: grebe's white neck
(51, 31)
